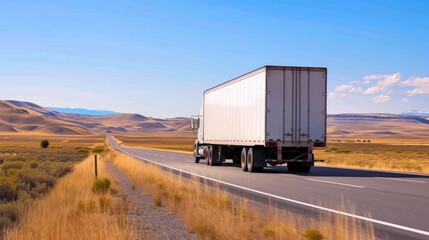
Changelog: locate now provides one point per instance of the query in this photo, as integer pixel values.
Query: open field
(29, 172)
(388, 154)
(176, 141)
(212, 213)
(72, 211)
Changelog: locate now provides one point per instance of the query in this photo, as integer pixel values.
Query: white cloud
(343, 88)
(381, 99)
(421, 85)
(340, 91)
(383, 82)
(404, 100)
(367, 79)
(373, 90)
(356, 90)
(389, 80)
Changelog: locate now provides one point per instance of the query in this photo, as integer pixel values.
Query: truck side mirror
(195, 122)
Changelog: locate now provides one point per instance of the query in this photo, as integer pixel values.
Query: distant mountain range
(83, 111)
(18, 117)
(416, 113)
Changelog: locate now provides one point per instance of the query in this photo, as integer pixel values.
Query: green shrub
(98, 149)
(157, 202)
(8, 216)
(44, 143)
(34, 164)
(313, 234)
(8, 165)
(34, 178)
(9, 211)
(101, 186)
(7, 192)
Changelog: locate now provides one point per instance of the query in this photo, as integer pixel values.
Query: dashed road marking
(402, 180)
(335, 183)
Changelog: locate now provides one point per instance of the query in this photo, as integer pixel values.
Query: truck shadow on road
(344, 172)
(335, 172)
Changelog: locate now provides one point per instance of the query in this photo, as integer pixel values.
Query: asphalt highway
(396, 204)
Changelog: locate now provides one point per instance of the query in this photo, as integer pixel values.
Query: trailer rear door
(296, 105)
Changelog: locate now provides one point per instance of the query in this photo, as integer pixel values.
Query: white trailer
(272, 115)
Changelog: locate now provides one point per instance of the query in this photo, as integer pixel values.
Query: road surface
(398, 204)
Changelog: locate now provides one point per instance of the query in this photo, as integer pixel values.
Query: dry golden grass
(55, 141)
(174, 141)
(409, 158)
(72, 211)
(213, 213)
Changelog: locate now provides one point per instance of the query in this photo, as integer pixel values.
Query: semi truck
(270, 116)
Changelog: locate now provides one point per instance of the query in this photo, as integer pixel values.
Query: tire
(221, 153)
(197, 160)
(214, 156)
(244, 159)
(209, 155)
(250, 160)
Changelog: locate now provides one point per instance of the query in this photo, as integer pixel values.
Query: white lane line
(336, 183)
(402, 180)
(393, 225)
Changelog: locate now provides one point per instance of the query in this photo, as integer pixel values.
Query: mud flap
(259, 157)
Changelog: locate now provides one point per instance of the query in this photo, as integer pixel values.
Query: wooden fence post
(95, 164)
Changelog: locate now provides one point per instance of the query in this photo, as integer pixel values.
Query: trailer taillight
(271, 143)
(318, 143)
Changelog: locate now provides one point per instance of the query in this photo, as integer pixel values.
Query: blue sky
(157, 57)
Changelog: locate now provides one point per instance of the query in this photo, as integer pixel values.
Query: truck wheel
(244, 159)
(221, 154)
(209, 155)
(250, 161)
(197, 159)
(214, 156)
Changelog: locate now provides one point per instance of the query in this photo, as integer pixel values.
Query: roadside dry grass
(408, 158)
(213, 213)
(72, 211)
(175, 141)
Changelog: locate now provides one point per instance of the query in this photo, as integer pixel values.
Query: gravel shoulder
(148, 221)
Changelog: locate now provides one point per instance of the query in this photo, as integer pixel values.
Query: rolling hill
(377, 126)
(25, 117)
